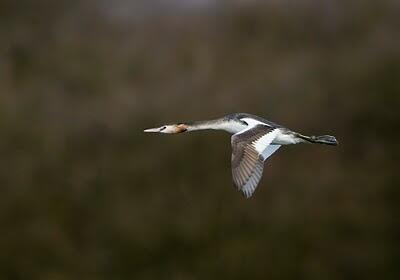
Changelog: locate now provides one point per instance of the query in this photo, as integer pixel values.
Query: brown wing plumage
(247, 163)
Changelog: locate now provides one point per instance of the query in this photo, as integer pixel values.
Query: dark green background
(85, 194)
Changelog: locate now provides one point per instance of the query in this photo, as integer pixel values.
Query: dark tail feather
(323, 139)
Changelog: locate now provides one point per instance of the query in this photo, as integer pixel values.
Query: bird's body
(254, 139)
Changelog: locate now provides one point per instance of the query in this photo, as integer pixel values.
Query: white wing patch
(251, 148)
(251, 123)
(261, 144)
(269, 151)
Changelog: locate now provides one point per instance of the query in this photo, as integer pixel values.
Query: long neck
(218, 124)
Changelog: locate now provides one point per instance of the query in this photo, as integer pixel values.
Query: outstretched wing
(249, 151)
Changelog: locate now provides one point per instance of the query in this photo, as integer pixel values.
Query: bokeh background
(85, 194)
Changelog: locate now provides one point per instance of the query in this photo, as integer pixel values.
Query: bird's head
(169, 128)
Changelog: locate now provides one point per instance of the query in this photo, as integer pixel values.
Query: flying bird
(253, 141)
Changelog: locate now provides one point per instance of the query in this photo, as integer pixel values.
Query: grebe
(254, 140)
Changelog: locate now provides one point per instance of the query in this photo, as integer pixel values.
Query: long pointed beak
(152, 130)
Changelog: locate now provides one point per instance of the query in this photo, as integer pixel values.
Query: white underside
(285, 139)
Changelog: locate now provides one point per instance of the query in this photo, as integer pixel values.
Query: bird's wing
(250, 149)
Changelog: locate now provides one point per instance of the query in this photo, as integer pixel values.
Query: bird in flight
(253, 141)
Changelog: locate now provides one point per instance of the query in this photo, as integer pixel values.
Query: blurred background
(85, 194)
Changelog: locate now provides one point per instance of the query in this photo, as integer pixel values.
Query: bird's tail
(323, 139)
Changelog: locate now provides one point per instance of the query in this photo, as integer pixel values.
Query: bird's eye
(245, 123)
(162, 128)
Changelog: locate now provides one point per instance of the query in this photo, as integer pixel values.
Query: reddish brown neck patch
(181, 128)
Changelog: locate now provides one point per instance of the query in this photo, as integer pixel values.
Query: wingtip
(247, 194)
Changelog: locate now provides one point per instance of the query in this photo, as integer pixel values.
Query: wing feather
(250, 149)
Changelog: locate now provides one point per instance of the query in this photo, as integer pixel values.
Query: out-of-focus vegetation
(86, 195)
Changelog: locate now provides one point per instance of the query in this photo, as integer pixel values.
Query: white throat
(232, 127)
